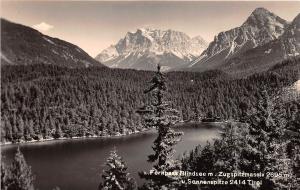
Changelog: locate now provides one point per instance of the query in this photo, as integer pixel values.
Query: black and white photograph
(150, 95)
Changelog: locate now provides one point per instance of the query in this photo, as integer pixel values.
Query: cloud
(43, 27)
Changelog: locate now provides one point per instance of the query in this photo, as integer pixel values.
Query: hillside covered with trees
(46, 101)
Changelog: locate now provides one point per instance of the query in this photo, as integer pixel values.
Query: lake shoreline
(210, 124)
(69, 138)
(77, 164)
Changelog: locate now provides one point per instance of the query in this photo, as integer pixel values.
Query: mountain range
(22, 45)
(147, 47)
(263, 40)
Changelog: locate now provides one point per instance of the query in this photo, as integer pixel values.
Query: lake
(77, 164)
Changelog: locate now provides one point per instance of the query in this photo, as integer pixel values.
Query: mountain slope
(263, 57)
(291, 38)
(22, 45)
(145, 48)
(262, 27)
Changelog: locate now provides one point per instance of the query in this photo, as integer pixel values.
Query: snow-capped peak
(109, 53)
(151, 42)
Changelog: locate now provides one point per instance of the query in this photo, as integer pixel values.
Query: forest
(47, 101)
(260, 136)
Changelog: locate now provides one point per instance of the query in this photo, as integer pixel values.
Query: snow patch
(165, 68)
(268, 51)
(5, 58)
(127, 55)
(48, 40)
(108, 54)
(232, 48)
(86, 63)
(178, 54)
(116, 65)
(197, 60)
(293, 54)
(147, 35)
(55, 52)
(297, 85)
(110, 58)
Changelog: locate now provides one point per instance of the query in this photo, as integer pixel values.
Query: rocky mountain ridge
(147, 47)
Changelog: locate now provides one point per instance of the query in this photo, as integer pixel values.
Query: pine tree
(223, 155)
(196, 113)
(228, 149)
(20, 134)
(266, 151)
(7, 129)
(19, 174)
(162, 116)
(116, 177)
(294, 133)
(3, 176)
(58, 132)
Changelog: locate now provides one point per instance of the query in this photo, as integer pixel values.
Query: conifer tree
(294, 133)
(116, 177)
(223, 155)
(58, 132)
(257, 145)
(196, 113)
(19, 175)
(162, 116)
(3, 176)
(266, 151)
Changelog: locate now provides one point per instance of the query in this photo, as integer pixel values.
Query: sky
(95, 25)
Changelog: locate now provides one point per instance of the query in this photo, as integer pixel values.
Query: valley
(78, 122)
